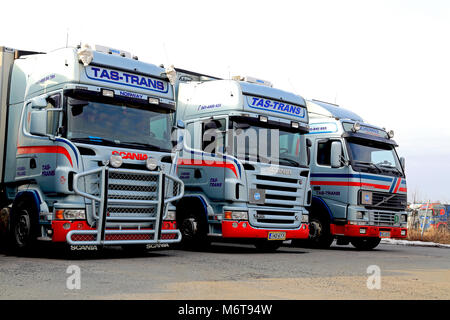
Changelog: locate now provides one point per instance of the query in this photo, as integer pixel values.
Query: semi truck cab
(244, 162)
(87, 158)
(357, 179)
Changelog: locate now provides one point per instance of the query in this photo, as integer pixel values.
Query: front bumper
(242, 229)
(64, 231)
(349, 230)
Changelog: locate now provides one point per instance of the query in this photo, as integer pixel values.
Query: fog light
(151, 164)
(234, 224)
(305, 218)
(115, 161)
(403, 232)
(362, 231)
(66, 226)
(391, 134)
(244, 225)
(356, 127)
(359, 215)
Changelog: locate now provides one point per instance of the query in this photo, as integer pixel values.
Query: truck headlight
(85, 55)
(236, 215)
(305, 218)
(403, 218)
(359, 215)
(171, 215)
(70, 214)
(366, 197)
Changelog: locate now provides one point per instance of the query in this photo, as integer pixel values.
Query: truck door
(330, 184)
(204, 169)
(37, 155)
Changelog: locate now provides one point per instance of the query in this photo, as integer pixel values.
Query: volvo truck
(357, 180)
(85, 156)
(244, 162)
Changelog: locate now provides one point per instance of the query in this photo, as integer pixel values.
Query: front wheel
(319, 233)
(193, 231)
(366, 243)
(22, 231)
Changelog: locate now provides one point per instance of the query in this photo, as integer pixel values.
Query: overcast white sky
(388, 61)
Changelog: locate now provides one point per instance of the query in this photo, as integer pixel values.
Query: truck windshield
(107, 122)
(373, 156)
(268, 144)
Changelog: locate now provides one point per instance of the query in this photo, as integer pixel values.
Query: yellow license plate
(276, 236)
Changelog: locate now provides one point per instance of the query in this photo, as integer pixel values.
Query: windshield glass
(118, 123)
(268, 144)
(375, 157)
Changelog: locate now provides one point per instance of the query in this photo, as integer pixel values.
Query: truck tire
(366, 243)
(194, 232)
(319, 234)
(268, 246)
(23, 229)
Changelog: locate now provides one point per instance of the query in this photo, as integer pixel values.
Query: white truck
(85, 156)
(358, 180)
(244, 162)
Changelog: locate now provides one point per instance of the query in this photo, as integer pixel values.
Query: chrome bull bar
(126, 189)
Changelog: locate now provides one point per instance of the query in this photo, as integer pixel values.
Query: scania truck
(357, 180)
(244, 162)
(85, 156)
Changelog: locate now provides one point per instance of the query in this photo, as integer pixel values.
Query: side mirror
(336, 154)
(308, 143)
(38, 123)
(179, 135)
(38, 102)
(402, 162)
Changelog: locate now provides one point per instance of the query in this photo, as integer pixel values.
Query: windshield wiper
(95, 139)
(293, 162)
(395, 169)
(371, 164)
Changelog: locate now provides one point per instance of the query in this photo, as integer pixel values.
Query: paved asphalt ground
(229, 271)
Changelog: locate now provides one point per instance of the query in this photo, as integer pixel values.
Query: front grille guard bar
(101, 232)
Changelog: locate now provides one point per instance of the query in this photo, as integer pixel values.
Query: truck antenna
(165, 53)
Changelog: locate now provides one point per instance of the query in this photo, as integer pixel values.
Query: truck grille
(390, 201)
(126, 193)
(124, 206)
(382, 218)
(279, 191)
(285, 218)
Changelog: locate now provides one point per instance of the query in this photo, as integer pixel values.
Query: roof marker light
(263, 118)
(153, 100)
(295, 125)
(108, 93)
